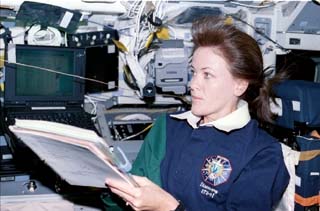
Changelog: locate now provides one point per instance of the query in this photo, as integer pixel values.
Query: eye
(192, 71)
(207, 75)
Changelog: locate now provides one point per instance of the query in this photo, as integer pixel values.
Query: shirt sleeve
(146, 164)
(261, 183)
(152, 152)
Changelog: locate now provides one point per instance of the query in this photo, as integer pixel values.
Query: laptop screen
(34, 77)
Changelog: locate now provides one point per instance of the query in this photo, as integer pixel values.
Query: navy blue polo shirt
(239, 168)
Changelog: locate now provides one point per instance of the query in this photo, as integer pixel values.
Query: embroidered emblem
(216, 170)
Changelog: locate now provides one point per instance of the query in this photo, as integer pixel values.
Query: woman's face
(215, 92)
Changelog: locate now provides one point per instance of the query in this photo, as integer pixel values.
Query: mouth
(195, 98)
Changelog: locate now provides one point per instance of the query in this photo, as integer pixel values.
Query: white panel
(114, 7)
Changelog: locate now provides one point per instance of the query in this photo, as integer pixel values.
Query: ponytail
(260, 105)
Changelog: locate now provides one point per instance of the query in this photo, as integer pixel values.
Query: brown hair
(244, 58)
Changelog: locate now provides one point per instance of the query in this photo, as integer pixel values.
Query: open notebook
(78, 155)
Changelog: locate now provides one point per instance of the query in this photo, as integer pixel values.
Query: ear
(241, 86)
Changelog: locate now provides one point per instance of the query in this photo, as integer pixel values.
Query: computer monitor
(25, 83)
(102, 64)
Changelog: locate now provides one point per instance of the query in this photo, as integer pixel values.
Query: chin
(196, 112)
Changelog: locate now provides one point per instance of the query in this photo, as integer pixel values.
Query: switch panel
(263, 25)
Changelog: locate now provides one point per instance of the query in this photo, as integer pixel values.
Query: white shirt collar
(235, 120)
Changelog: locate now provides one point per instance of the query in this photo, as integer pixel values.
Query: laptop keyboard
(76, 118)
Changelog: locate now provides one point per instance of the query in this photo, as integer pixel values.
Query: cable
(148, 19)
(136, 134)
(40, 36)
(131, 8)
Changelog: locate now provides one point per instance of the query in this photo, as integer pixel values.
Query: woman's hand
(148, 196)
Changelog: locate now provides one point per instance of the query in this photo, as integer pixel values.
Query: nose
(194, 84)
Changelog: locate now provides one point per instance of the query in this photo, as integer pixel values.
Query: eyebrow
(203, 68)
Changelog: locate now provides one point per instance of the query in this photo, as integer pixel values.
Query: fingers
(129, 199)
(124, 195)
(139, 179)
(115, 183)
(127, 188)
(147, 196)
(119, 185)
(142, 181)
(123, 189)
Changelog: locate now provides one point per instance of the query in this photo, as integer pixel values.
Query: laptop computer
(40, 84)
